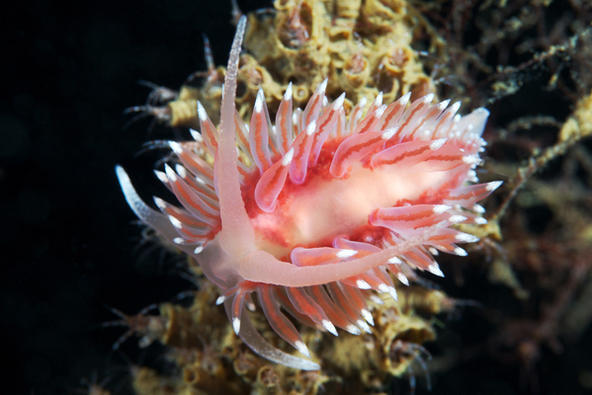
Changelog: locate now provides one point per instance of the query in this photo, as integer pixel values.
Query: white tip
(460, 251)
(376, 300)
(436, 144)
(301, 347)
(403, 279)
(433, 251)
(395, 261)
(338, 103)
(393, 292)
(198, 250)
(405, 98)
(323, 86)
(362, 284)
(161, 204)
(287, 159)
(478, 209)
(480, 221)
(200, 180)
(471, 160)
(236, 325)
(259, 101)
(170, 173)
(310, 129)
(362, 324)
(492, 186)
(457, 218)
(346, 253)
(288, 92)
(328, 325)
(179, 240)
(354, 330)
(428, 98)
(175, 147)
(161, 176)
(196, 135)
(455, 107)
(384, 288)
(362, 102)
(176, 223)
(378, 100)
(201, 112)
(251, 306)
(466, 238)
(443, 104)
(379, 111)
(181, 171)
(434, 268)
(388, 133)
(440, 208)
(367, 316)
(220, 299)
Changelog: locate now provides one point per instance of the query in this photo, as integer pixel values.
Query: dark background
(70, 247)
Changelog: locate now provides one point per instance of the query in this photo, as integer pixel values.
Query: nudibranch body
(316, 212)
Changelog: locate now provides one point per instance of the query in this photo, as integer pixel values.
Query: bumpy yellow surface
(362, 49)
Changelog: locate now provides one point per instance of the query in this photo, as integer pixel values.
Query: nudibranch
(317, 212)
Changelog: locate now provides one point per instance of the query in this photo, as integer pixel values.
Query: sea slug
(316, 212)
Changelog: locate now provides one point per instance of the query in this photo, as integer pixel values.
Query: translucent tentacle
(278, 321)
(237, 235)
(271, 183)
(260, 346)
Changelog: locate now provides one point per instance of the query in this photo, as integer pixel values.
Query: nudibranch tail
(319, 211)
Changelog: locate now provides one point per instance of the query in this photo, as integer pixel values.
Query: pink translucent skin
(423, 154)
(241, 257)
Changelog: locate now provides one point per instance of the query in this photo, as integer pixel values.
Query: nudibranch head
(315, 212)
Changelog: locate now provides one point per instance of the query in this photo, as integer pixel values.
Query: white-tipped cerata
(338, 103)
(310, 129)
(434, 268)
(362, 284)
(236, 324)
(441, 208)
(201, 113)
(196, 135)
(436, 144)
(175, 147)
(328, 325)
(346, 253)
(288, 92)
(301, 347)
(367, 316)
(403, 279)
(395, 260)
(287, 159)
(492, 186)
(466, 238)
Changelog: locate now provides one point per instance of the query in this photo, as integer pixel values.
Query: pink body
(314, 212)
